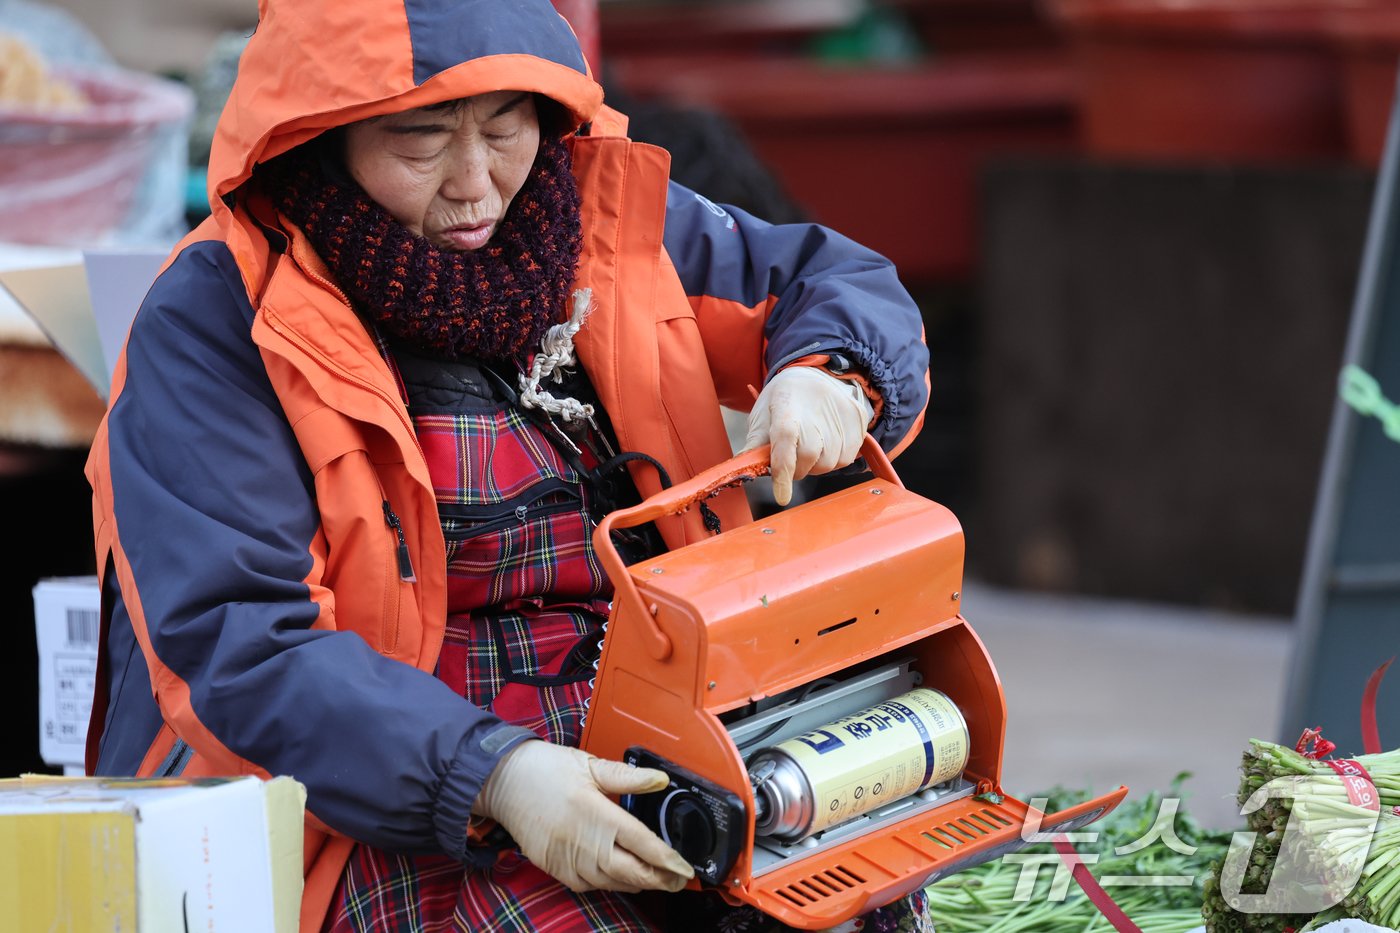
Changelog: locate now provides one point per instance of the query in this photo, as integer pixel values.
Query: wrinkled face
(448, 172)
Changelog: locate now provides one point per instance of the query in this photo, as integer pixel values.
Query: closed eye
(418, 129)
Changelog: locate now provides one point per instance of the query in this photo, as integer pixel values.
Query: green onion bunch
(1322, 837)
(1265, 761)
(1220, 917)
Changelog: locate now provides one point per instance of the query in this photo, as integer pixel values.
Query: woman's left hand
(553, 801)
(814, 421)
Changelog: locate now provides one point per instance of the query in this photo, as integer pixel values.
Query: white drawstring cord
(557, 350)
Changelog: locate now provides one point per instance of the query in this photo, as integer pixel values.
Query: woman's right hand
(553, 801)
(815, 422)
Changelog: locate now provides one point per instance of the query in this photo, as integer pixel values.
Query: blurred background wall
(1133, 227)
(163, 36)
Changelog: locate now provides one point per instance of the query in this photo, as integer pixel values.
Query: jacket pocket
(370, 544)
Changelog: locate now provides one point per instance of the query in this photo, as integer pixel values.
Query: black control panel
(703, 822)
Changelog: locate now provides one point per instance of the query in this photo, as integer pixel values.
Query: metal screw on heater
(877, 492)
(957, 594)
(712, 685)
(657, 570)
(768, 531)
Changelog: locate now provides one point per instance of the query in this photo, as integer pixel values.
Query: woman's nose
(468, 178)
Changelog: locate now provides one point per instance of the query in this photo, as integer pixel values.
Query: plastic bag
(106, 170)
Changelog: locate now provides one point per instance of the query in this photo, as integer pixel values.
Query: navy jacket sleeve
(215, 514)
(828, 295)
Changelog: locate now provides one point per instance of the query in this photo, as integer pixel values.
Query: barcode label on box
(82, 627)
(67, 627)
(74, 678)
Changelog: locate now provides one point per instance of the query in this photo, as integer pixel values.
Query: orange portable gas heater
(832, 725)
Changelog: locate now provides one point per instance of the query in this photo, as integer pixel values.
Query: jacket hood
(316, 64)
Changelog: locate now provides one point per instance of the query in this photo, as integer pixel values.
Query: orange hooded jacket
(255, 616)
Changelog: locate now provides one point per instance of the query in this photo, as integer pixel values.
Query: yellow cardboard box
(81, 855)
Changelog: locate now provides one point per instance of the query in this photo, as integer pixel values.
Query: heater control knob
(687, 826)
(706, 823)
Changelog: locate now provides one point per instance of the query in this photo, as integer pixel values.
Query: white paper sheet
(80, 302)
(118, 282)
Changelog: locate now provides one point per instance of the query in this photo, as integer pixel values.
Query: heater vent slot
(833, 628)
(995, 818)
(817, 887)
(971, 829)
(965, 829)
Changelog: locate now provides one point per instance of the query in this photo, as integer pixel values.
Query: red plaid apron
(527, 599)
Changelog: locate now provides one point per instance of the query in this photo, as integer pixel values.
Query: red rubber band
(1370, 732)
(1320, 746)
(1092, 889)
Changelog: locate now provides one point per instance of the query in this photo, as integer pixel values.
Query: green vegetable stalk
(1376, 897)
(994, 898)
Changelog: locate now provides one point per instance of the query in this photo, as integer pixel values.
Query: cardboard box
(151, 856)
(66, 612)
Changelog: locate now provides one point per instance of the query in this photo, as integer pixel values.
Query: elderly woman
(444, 316)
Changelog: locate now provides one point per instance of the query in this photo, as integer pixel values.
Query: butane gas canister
(843, 769)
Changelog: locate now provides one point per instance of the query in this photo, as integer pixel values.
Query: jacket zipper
(331, 286)
(406, 573)
(518, 515)
(489, 512)
(175, 761)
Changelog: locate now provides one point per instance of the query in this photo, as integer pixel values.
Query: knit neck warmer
(493, 303)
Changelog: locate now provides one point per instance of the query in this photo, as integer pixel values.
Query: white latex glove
(814, 421)
(552, 800)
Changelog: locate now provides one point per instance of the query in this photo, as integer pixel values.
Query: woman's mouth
(469, 237)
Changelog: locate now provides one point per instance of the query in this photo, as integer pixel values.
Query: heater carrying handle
(745, 466)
